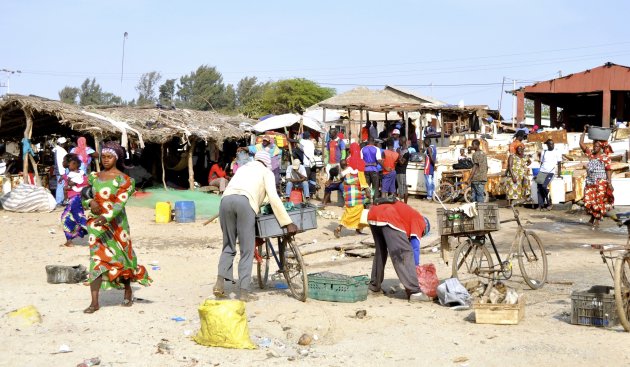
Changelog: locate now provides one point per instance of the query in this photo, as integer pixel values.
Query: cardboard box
(500, 314)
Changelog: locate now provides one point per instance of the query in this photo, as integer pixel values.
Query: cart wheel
(472, 261)
(293, 268)
(262, 265)
(622, 290)
(445, 193)
(468, 195)
(532, 259)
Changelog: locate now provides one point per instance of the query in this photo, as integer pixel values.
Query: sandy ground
(393, 333)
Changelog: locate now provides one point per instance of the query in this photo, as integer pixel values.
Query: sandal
(337, 232)
(127, 303)
(91, 309)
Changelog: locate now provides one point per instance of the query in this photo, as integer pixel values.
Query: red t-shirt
(389, 161)
(365, 132)
(399, 216)
(217, 171)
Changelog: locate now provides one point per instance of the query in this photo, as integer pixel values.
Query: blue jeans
(59, 191)
(304, 185)
(478, 191)
(428, 179)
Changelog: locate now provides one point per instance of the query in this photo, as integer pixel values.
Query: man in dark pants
(393, 226)
(241, 201)
(371, 155)
(479, 175)
(550, 165)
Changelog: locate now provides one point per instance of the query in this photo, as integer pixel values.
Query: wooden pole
(405, 116)
(163, 167)
(191, 171)
(349, 125)
(27, 135)
(98, 150)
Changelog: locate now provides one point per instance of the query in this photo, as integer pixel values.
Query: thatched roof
(153, 124)
(362, 98)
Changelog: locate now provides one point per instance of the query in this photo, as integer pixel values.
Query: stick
(211, 219)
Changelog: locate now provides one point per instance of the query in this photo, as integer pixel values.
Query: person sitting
(218, 177)
(296, 175)
(334, 183)
(462, 155)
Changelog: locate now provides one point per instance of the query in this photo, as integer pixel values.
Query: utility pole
(122, 67)
(513, 103)
(9, 73)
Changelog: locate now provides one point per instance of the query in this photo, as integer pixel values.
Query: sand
(394, 332)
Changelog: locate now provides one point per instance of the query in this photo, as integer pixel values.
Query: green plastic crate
(337, 287)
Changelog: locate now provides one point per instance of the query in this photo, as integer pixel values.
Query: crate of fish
(455, 221)
(594, 307)
(304, 216)
(334, 287)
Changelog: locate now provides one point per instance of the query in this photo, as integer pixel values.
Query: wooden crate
(500, 314)
(558, 136)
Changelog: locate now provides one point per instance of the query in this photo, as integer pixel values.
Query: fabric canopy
(286, 120)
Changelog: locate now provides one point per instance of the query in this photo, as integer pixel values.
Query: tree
(91, 93)
(230, 97)
(293, 95)
(202, 89)
(249, 93)
(146, 87)
(69, 94)
(167, 92)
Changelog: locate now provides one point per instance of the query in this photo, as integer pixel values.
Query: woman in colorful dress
(518, 173)
(85, 153)
(113, 263)
(357, 163)
(353, 199)
(73, 216)
(598, 191)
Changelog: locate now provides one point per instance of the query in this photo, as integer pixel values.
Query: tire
(468, 195)
(532, 260)
(445, 192)
(622, 290)
(468, 259)
(263, 265)
(293, 269)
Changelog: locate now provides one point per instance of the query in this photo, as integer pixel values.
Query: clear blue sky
(336, 43)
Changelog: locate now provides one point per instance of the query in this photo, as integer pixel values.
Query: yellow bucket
(162, 212)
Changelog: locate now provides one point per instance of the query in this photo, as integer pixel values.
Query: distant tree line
(204, 89)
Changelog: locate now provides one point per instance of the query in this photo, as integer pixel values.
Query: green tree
(293, 95)
(249, 93)
(146, 87)
(167, 92)
(202, 89)
(91, 93)
(69, 94)
(230, 98)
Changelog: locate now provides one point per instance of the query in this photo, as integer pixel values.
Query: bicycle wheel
(293, 269)
(263, 265)
(472, 261)
(532, 259)
(622, 290)
(445, 192)
(468, 195)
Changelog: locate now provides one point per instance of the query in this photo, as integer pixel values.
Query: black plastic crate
(594, 307)
(453, 221)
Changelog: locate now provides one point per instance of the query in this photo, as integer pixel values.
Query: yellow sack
(223, 324)
(28, 315)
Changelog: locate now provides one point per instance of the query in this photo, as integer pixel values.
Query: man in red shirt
(388, 185)
(395, 227)
(218, 177)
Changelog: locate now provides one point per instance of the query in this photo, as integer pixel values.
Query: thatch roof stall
(25, 115)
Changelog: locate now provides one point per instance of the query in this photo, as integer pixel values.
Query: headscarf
(81, 150)
(263, 157)
(355, 160)
(115, 148)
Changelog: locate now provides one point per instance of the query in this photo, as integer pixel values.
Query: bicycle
(472, 259)
(620, 270)
(289, 261)
(448, 192)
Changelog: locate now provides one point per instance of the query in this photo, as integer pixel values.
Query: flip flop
(337, 232)
(91, 309)
(127, 303)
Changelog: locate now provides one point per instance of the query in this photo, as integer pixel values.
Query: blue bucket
(535, 171)
(184, 211)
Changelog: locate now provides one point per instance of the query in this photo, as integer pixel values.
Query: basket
(594, 307)
(304, 218)
(452, 221)
(337, 287)
(500, 314)
(598, 133)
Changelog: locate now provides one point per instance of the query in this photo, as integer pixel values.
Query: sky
(451, 50)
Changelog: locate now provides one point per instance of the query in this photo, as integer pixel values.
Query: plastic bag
(28, 315)
(224, 324)
(427, 278)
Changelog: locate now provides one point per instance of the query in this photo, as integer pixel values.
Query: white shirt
(59, 154)
(301, 170)
(309, 151)
(549, 161)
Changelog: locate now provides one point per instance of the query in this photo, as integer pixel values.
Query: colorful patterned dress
(73, 217)
(111, 254)
(598, 194)
(353, 200)
(520, 189)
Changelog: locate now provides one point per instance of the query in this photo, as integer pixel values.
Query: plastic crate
(594, 307)
(337, 288)
(304, 218)
(452, 221)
